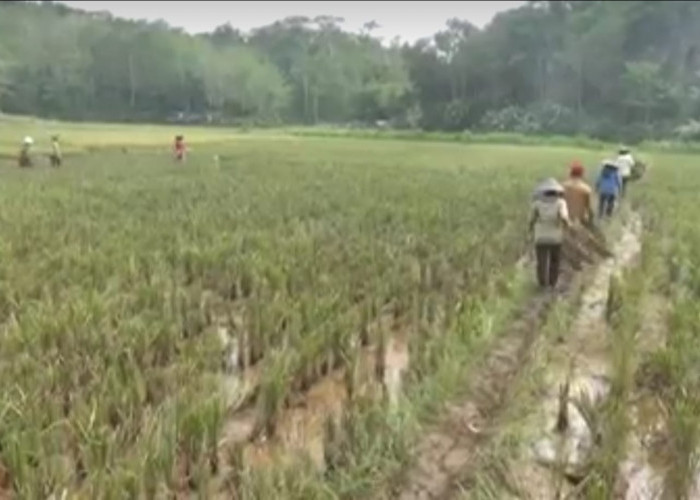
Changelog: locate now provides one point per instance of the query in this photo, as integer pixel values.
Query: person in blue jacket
(608, 187)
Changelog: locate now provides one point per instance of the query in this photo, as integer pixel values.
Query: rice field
(134, 290)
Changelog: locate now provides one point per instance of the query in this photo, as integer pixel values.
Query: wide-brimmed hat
(550, 185)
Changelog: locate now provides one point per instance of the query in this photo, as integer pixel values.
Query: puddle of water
(695, 490)
(240, 386)
(301, 427)
(569, 449)
(640, 472)
(396, 362)
(641, 482)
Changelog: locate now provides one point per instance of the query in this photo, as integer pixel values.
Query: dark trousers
(548, 262)
(623, 191)
(24, 160)
(55, 160)
(606, 205)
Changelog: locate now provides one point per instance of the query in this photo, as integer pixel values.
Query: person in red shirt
(179, 148)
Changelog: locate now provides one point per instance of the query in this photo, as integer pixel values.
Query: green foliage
(114, 366)
(673, 373)
(615, 71)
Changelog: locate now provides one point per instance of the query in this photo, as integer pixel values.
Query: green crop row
(672, 262)
(116, 269)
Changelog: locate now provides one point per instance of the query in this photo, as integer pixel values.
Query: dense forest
(622, 70)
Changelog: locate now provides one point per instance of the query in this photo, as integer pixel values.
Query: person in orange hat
(578, 195)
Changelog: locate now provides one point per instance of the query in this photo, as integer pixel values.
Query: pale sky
(407, 20)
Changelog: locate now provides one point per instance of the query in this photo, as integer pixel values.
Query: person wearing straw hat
(55, 157)
(25, 159)
(608, 187)
(625, 163)
(548, 219)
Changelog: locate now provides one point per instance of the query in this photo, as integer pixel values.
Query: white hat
(547, 185)
(28, 140)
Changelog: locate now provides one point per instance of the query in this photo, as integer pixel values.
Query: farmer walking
(56, 157)
(179, 148)
(25, 159)
(586, 237)
(608, 186)
(625, 162)
(548, 219)
(578, 194)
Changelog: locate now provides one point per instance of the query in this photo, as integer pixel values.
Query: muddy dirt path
(448, 456)
(557, 458)
(448, 450)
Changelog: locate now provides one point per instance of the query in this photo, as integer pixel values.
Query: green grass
(115, 268)
(86, 137)
(82, 137)
(670, 266)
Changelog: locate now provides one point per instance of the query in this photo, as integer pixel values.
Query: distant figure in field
(25, 159)
(179, 148)
(625, 163)
(578, 194)
(549, 218)
(608, 186)
(56, 157)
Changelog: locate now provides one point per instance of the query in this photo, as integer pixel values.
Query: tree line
(612, 70)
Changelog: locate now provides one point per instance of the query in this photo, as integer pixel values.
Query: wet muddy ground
(642, 471)
(579, 366)
(301, 425)
(448, 456)
(446, 452)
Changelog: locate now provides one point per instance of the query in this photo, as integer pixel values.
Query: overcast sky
(408, 20)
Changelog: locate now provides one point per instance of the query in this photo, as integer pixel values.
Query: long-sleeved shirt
(578, 199)
(626, 163)
(609, 182)
(549, 216)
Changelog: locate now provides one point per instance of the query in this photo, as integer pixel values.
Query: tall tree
(601, 68)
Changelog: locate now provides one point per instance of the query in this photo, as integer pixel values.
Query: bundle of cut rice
(638, 170)
(584, 245)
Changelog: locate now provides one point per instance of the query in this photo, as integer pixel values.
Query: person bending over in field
(548, 219)
(179, 148)
(55, 157)
(578, 194)
(25, 159)
(625, 163)
(608, 186)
